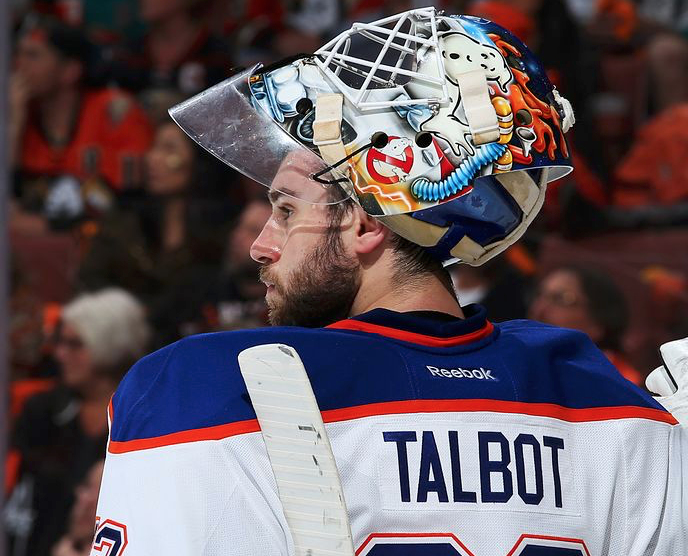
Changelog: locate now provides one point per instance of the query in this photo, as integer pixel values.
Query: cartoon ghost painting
(460, 53)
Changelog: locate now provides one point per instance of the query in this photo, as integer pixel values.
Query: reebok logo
(480, 374)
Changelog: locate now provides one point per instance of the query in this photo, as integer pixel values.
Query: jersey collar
(427, 328)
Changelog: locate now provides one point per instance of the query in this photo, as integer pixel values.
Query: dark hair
(411, 260)
(606, 304)
(70, 41)
(209, 206)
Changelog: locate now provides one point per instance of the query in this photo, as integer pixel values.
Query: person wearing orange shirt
(73, 146)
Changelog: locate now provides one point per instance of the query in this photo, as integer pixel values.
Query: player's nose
(266, 249)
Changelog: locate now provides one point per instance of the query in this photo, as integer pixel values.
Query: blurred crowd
(125, 236)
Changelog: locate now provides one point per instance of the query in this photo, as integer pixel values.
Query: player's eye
(283, 212)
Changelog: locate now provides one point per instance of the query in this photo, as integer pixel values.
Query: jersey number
(110, 538)
(446, 544)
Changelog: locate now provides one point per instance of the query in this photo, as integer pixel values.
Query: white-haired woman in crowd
(62, 432)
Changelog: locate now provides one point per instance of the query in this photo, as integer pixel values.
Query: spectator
(79, 537)
(586, 300)
(25, 327)
(650, 186)
(614, 22)
(669, 13)
(177, 52)
(667, 55)
(73, 146)
(239, 299)
(265, 30)
(166, 244)
(307, 22)
(61, 433)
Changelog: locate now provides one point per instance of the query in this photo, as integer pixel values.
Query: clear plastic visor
(224, 122)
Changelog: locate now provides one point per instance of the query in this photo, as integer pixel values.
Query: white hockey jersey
(452, 437)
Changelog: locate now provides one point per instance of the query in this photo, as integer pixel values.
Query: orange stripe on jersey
(413, 337)
(194, 435)
(496, 406)
(554, 411)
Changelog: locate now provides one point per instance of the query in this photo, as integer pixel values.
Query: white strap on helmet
(327, 127)
(480, 113)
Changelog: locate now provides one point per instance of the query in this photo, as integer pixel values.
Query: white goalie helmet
(446, 128)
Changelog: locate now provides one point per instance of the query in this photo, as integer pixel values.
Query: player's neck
(383, 292)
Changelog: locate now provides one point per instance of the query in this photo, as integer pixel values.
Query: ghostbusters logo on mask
(392, 163)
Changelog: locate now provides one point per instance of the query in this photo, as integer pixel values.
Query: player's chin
(276, 316)
(281, 313)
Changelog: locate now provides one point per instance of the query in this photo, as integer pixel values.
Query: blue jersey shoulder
(566, 364)
(196, 382)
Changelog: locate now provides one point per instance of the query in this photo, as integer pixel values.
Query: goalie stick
(300, 454)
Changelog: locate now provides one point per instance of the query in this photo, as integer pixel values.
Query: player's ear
(370, 233)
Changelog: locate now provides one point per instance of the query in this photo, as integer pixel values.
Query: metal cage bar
(336, 53)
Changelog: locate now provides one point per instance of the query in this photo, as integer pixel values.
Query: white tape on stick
(299, 450)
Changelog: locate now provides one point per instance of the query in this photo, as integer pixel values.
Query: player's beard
(320, 291)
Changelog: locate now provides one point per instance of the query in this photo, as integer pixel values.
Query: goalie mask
(446, 128)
